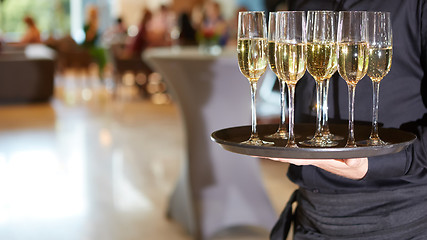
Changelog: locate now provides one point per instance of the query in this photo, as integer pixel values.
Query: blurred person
(32, 34)
(160, 26)
(381, 197)
(116, 34)
(213, 24)
(120, 26)
(141, 41)
(187, 32)
(197, 16)
(91, 42)
(91, 27)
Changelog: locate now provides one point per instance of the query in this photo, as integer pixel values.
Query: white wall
(228, 7)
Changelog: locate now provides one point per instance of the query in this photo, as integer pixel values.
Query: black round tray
(230, 139)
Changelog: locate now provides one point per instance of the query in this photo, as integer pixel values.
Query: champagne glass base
(291, 145)
(278, 135)
(372, 142)
(256, 142)
(319, 142)
(350, 145)
(329, 137)
(332, 137)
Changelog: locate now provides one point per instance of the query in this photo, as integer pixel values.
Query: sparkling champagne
(252, 57)
(321, 60)
(353, 61)
(334, 67)
(291, 61)
(272, 55)
(379, 62)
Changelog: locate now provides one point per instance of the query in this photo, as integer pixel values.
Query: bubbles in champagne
(379, 62)
(353, 61)
(272, 56)
(321, 60)
(252, 57)
(290, 61)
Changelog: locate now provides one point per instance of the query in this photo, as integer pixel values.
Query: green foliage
(51, 16)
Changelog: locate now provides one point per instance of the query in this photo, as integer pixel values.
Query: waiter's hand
(353, 168)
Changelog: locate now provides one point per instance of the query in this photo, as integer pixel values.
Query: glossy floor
(98, 169)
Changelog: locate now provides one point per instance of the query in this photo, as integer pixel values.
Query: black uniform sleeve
(413, 161)
(424, 49)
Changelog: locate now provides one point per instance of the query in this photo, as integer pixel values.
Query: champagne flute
(380, 55)
(282, 132)
(353, 58)
(325, 127)
(321, 64)
(252, 58)
(291, 57)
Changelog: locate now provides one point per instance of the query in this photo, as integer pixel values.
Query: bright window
(51, 17)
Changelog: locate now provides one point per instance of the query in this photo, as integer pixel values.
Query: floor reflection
(37, 185)
(94, 170)
(87, 170)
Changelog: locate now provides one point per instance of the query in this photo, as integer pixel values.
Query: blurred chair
(129, 64)
(70, 54)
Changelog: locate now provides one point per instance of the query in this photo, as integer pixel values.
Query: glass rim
(251, 12)
(290, 12)
(322, 11)
(352, 11)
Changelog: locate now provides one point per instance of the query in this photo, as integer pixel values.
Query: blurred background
(92, 139)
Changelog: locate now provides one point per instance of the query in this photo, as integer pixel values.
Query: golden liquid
(291, 61)
(321, 60)
(252, 57)
(379, 62)
(353, 61)
(334, 62)
(272, 56)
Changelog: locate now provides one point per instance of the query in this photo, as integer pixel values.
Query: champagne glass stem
(254, 134)
(351, 93)
(291, 95)
(282, 125)
(375, 99)
(325, 127)
(319, 106)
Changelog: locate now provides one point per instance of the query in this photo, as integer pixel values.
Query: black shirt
(403, 100)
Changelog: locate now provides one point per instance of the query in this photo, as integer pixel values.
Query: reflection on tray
(231, 138)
